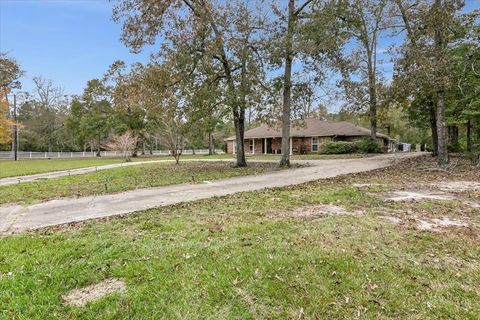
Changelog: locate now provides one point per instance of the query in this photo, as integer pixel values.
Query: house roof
(310, 128)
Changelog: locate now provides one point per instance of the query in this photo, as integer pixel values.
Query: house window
(250, 147)
(314, 144)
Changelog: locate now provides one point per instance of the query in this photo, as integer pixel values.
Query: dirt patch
(392, 220)
(322, 211)
(94, 292)
(458, 186)
(472, 204)
(427, 224)
(438, 224)
(433, 194)
(415, 195)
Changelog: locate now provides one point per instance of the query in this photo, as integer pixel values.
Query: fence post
(58, 154)
(45, 155)
(30, 154)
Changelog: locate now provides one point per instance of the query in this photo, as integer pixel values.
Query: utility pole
(15, 128)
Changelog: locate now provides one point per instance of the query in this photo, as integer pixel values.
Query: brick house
(305, 137)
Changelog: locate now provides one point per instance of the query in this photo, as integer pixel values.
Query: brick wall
(246, 146)
(276, 145)
(302, 145)
(259, 146)
(299, 144)
(230, 146)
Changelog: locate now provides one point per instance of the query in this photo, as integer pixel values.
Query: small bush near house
(337, 147)
(368, 145)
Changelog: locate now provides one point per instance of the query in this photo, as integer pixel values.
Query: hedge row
(361, 146)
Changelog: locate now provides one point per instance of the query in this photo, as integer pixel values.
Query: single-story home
(305, 137)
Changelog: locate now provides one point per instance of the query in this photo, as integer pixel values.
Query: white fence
(90, 154)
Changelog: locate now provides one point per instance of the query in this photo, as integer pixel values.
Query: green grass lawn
(9, 168)
(247, 257)
(126, 178)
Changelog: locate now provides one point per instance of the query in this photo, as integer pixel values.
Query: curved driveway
(15, 218)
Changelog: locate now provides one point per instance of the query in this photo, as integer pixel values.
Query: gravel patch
(397, 196)
(427, 224)
(82, 296)
(322, 211)
(458, 186)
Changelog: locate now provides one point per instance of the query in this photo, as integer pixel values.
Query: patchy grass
(126, 178)
(244, 257)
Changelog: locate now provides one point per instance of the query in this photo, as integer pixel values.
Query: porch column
(265, 145)
(291, 147)
(234, 147)
(253, 143)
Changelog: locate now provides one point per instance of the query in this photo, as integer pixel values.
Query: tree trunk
(287, 86)
(372, 91)
(210, 143)
(239, 123)
(469, 136)
(237, 110)
(441, 128)
(453, 135)
(439, 42)
(433, 127)
(99, 142)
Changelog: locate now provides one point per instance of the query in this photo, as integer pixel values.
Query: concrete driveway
(15, 218)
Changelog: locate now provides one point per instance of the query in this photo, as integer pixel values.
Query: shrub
(125, 143)
(454, 147)
(337, 147)
(368, 145)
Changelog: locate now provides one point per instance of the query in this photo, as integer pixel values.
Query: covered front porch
(254, 146)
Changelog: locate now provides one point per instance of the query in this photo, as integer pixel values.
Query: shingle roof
(310, 128)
